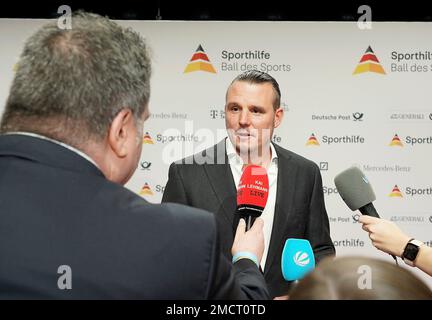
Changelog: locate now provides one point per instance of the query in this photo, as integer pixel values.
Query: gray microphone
(356, 191)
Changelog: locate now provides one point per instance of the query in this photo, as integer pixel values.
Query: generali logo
(199, 62)
(369, 63)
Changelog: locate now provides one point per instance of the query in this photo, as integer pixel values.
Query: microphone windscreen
(297, 259)
(354, 188)
(253, 190)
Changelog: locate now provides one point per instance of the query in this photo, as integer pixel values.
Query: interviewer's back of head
(70, 84)
(360, 278)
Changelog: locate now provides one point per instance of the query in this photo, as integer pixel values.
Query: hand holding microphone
(385, 235)
(357, 193)
(251, 241)
(252, 193)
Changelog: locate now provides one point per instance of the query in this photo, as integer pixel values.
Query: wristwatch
(411, 251)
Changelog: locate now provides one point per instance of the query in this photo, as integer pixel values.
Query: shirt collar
(35, 135)
(234, 158)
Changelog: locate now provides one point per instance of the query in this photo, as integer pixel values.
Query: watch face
(411, 251)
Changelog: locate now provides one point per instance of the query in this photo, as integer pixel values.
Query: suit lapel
(283, 203)
(220, 178)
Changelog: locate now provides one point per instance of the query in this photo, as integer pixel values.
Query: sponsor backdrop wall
(351, 97)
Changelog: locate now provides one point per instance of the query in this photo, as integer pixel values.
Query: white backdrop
(354, 117)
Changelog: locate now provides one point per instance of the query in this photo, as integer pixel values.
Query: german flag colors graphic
(146, 191)
(396, 193)
(369, 63)
(199, 62)
(147, 139)
(396, 141)
(312, 141)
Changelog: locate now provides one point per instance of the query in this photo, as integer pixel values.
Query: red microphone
(252, 193)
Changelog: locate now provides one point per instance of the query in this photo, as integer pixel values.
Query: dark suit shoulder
(174, 215)
(213, 155)
(185, 216)
(295, 158)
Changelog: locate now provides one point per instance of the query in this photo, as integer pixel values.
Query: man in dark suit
(71, 136)
(208, 180)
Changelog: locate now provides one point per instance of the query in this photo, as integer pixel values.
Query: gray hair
(338, 279)
(255, 76)
(70, 84)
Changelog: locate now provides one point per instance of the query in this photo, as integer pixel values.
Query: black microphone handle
(292, 287)
(249, 222)
(369, 210)
(249, 212)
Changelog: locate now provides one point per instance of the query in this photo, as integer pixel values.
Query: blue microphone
(297, 259)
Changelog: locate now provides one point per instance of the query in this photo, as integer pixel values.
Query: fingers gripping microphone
(297, 259)
(356, 191)
(252, 193)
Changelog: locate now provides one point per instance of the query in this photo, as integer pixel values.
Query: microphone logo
(301, 259)
(297, 259)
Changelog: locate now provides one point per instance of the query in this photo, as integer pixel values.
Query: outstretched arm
(386, 236)
(243, 279)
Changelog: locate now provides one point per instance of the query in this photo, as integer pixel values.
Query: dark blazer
(299, 209)
(57, 208)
